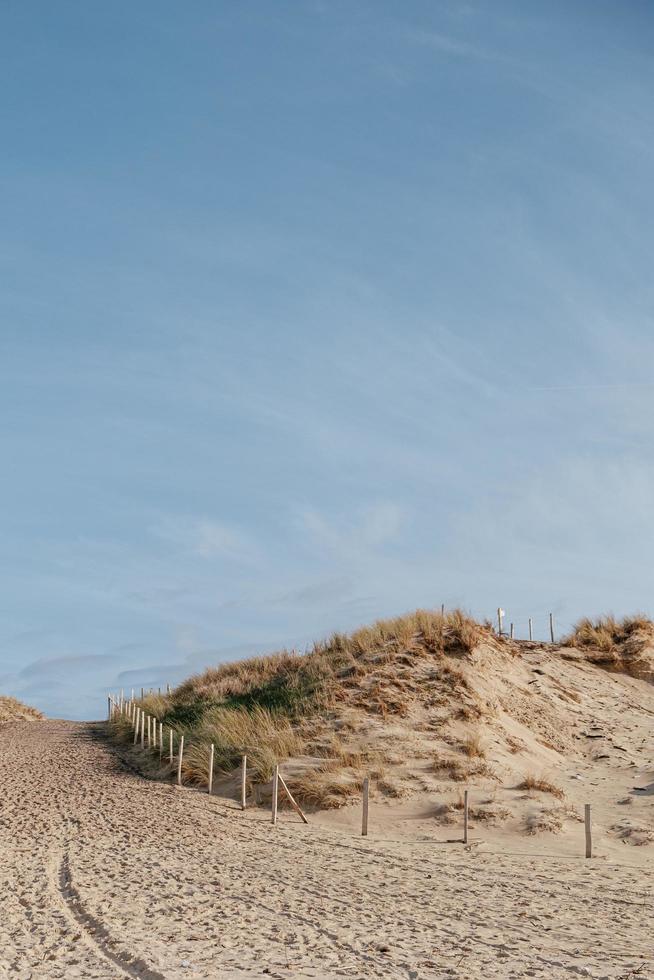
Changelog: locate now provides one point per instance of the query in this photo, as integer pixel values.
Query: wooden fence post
(275, 788)
(465, 816)
(551, 627)
(511, 630)
(530, 629)
(160, 741)
(293, 803)
(136, 727)
(211, 769)
(244, 769)
(587, 825)
(142, 729)
(170, 732)
(179, 761)
(364, 811)
(109, 707)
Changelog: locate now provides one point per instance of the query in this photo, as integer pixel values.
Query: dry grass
(13, 710)
(473, 747)
(328, 786)
(605, 636)
(299, 683)
(279, 707)
(266, 738)
(541, 784)
(544, 821)
(460, 771)
(625, 645)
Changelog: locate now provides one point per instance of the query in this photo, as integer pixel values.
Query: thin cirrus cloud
(422, 314)
(207, 538)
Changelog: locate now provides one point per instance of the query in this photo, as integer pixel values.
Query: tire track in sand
(95, 934)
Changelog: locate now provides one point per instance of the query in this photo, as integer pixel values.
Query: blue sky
(314, 312)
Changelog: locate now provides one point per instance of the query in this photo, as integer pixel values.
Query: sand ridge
(106, 874)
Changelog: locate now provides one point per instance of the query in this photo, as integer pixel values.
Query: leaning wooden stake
(465, 816)
(589, 840)
(275, 787)
(295, 806)
(179, 761)
(364, 812)
(211, 769)
(244, 769)
(136, 727)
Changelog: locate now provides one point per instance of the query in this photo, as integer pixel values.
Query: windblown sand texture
(108, 874)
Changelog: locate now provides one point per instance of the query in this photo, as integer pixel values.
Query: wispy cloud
(446, 44)
(208, 538)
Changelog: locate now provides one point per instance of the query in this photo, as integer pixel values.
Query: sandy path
(104, 874)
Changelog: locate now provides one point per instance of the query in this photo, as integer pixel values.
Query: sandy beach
(106, 874)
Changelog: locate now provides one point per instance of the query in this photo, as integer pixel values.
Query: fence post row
(136, 715)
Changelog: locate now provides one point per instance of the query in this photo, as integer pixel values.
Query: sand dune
(106, 874)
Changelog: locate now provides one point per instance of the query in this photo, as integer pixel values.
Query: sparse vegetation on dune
(425, 686)
(13, 710)
(541, 784)
(268, 707)
(624, 644)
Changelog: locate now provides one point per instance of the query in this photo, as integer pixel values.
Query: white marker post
(500, 617)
